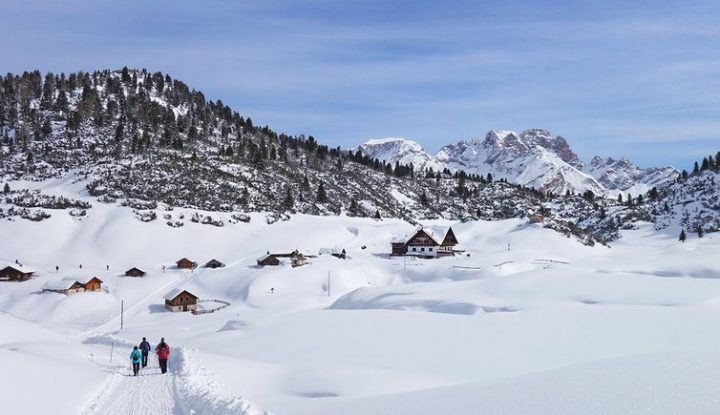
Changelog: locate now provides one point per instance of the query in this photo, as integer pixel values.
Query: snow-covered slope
(496, 329)
(623, 176)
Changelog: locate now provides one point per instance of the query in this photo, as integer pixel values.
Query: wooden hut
(268, 259)
(93, 284)
(447, 246)
(184, 263)
(16, 273)
(536, 218)
(134, 272)
(65, 286)
(298, 259)
(214, 263)
(422, 244)
(180, 300)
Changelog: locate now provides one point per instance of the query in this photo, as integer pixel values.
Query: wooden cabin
(422, 244)
(180, 300)
(447, 246)
(16, 273)
(214, 263)
(268, 259)
(134, 272)
(298, 260)
(185, 263)
(93, 284)
(536, 218)
(65, 286)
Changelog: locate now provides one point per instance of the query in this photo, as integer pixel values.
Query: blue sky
(616, 79)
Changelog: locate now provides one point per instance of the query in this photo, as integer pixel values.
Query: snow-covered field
(547, 327)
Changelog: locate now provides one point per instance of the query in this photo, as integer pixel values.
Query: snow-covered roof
(264, 257)
(21, 268)
(174, 293)
(62, 284)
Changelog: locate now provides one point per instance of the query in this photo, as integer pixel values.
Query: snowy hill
(369, 334)
(532, 158)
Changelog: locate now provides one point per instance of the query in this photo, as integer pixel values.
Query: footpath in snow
(185, 389)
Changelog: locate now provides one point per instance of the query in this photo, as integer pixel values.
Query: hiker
(145, 349)
(57, 268)
(163, 351)
(135, 357)
(107, 267)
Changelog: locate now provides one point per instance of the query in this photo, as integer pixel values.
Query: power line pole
(122, 309)
(328, 284)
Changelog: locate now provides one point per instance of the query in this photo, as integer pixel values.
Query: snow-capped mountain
(623, 176)
(401, 150)
(531, 158)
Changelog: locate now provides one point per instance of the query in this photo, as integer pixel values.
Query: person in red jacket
(163, 352)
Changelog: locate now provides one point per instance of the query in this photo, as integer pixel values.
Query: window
(422, 249)
(430, 249)
(414, 249)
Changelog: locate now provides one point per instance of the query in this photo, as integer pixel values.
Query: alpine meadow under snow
(569, 291)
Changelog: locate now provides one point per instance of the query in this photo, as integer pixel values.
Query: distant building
(93, 284)
(185, 263)
(180, 300)
(423, 244)
(297, 259)
(536, 218)
(447, 246)
(214, 263)
(134, 272)
(65, 286)
(16, 273)
(268, 259)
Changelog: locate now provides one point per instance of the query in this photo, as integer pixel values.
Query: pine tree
(620, 200)
(321, 195)
(6, 189)
(377, 214)
(683, 237)
(696, 169)
(700, 231)
(289, 202)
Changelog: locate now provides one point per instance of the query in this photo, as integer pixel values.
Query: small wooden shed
(134, 272)
(214, 263)
(16, 273)
(268, 259)
(180, 300)
(93, 284)
(184, 263)
(536, 218)
(65, 286)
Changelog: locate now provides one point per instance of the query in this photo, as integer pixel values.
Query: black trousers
(163, 365)
(144, 358)
(136, 368)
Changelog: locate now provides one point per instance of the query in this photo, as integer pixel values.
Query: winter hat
(144, 339)
(134, 347)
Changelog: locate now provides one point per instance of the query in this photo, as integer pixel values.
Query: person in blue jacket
(136, 358)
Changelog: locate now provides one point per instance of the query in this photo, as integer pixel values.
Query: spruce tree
(700, 231)
(377, 214)
(620, 200)
(6, 189)
(289, 202)
(682, 237)
(321, 195)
